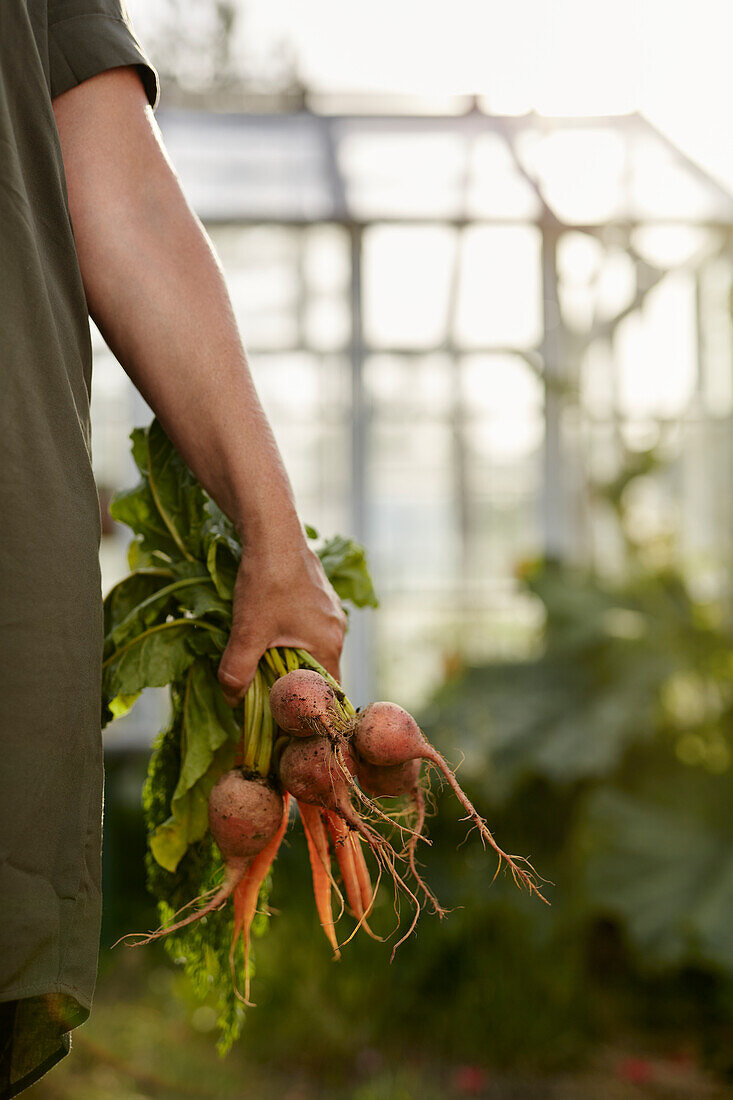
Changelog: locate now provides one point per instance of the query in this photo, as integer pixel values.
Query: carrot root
(245, 896)
(317, 841)
(344, 841)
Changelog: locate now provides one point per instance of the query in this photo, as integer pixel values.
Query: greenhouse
(458, 323)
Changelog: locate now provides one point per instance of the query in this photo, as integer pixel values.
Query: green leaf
(151, 659)
(660, 855)
(310, 532)
(203, 944)
(137, 509)
(222, 550)
(139, 449)
(166, 508)
(344, 563)
(121, 704)
(208, 738)
(203, 599)
(179, 498)
(151, 611)
(124, 597)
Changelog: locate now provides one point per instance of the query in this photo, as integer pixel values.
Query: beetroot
(245, 813)
(384, 735)
(311, 772)
(389, 781)
(304, 704)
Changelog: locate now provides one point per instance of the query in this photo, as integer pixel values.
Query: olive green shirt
(51, 774)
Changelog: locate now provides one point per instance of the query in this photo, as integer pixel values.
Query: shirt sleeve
(86, 37)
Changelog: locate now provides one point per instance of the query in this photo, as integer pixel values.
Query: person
(93, 222)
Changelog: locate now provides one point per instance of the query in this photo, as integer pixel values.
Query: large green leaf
(151, 611)
(208, 738)
(659, 854)
(166, 508)
(151, 659)
(344, 563)
(553, 718)
(133, 590)
(137, 509)
(179, 498)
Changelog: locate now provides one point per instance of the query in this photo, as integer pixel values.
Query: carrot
(362, 873)
(245, 898)
(339, 831)
(358, 892)
(315, 835)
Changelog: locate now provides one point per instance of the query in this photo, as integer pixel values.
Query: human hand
(280, 599)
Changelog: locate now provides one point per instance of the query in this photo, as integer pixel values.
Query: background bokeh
(481, 260)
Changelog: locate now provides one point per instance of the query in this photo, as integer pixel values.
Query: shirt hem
(24, 992)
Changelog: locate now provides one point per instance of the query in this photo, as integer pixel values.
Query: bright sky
(668, 58)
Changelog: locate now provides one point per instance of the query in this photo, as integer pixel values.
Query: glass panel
(663, 184)
(656, 349)
(407, 273)
(243, 166)
(671, 245)
(397, 171)
(496, 187)
(500, 289)
(615, 286)
(579, 260)
(327, 322)
(580, 171)
(399, 385)
(412, 537)
(300, 386)
(503, 401)
(326, 267)
(261, 268)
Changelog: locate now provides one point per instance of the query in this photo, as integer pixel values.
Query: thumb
(237, 667)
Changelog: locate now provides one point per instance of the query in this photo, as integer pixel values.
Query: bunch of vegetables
(222, 781)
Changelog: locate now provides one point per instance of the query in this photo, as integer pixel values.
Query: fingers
(237, 668)
(302, 614)
(239, 664)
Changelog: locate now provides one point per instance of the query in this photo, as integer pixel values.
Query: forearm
(155, 290)
(157, 294)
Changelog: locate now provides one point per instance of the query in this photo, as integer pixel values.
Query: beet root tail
(233, 876)
(418, 801)
(521, 869)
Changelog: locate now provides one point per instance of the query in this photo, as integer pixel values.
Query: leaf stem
(163, 514)
(154, 630)
(252, 721)
(150, 600)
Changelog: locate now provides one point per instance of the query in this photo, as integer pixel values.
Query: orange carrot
(245, 896)
(339, 831)
(346, 846)
(315, 835)
(362, 874)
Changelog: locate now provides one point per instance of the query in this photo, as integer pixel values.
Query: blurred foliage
(625, 717)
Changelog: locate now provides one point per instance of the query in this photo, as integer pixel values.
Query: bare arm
(156, 292)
